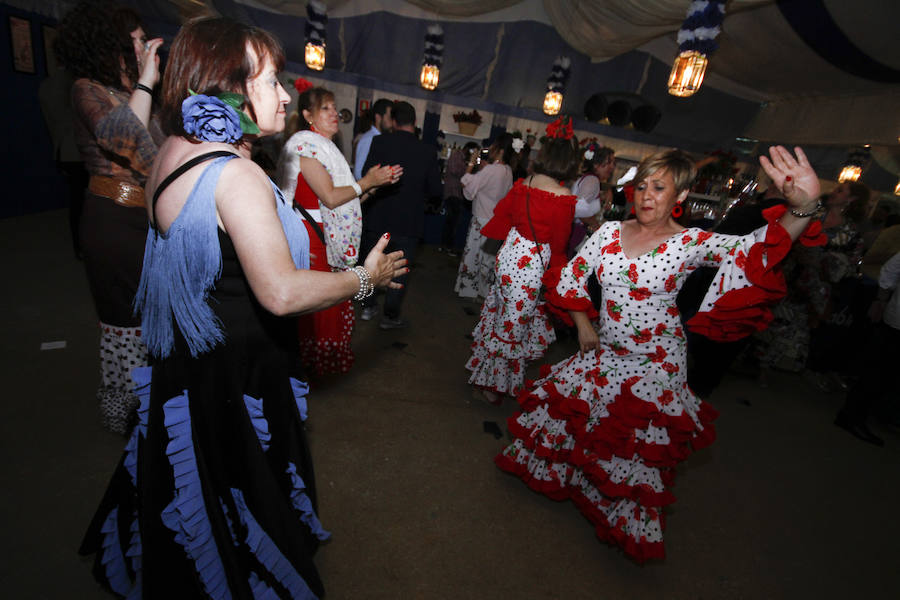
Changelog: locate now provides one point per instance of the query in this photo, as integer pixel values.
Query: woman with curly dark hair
(115, 67)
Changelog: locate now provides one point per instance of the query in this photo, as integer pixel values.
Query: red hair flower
(301, 85)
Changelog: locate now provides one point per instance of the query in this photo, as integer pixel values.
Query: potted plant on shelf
(467, 123)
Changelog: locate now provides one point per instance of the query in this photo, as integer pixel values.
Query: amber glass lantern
(315, 56)
(429, 76)
(687, 73)
(850, 173)
(552, 102)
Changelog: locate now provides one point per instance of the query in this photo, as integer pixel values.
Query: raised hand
(794, 177)
(380, 175)
(148, 63)
(383, 267)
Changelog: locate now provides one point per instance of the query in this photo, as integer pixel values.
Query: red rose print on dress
(671, 282)
(640, 293)
(505, 280)
(525, 261)
(520, 304)
(632, 273)
(580, 268)
(673, 310)
(740, 260)
(613, 310)
(507, 326)
(670, 368)
(703, 236)
(611, 248)
(660, 329)
(658, 355)
(532, 292)
(666, 397)
(641, 336)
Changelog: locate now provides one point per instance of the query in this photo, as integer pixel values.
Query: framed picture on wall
(49, 34)
(22, 48)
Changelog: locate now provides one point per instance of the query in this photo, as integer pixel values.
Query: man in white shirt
(381, 113)
(880, 352)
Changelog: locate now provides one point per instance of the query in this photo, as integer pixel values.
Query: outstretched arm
(797, 180)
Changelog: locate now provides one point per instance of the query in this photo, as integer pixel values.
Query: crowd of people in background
(199, 263)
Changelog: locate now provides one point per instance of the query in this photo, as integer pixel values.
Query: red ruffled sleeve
(745, 310)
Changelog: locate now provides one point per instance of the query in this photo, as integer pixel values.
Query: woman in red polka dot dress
(534, 219)
(607, 426)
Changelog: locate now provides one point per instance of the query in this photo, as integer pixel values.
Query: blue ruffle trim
(261, 590)
(303, 503)
(294, 229)
(268, 554)
(186, 514)
(134, 553)
(300, 389)
(141, 377)
(255, 410)
(113, 562)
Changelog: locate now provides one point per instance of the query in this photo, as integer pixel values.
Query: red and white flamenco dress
(514, 328)
(325, 335)
(606, 430)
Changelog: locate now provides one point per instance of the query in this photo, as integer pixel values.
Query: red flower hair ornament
(561, 128)
(301, 85)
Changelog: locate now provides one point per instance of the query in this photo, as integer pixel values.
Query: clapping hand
(380, 175)
(383, 267)
(795, 178)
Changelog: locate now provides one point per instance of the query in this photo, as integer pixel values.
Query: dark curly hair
(95, 38)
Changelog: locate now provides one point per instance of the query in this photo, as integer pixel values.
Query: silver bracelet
(366, 288)
(815, 211)
(356, 188)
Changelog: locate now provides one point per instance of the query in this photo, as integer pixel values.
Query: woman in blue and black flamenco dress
(215, 493)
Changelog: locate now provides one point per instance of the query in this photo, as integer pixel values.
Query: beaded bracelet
(366, 288)
(802, 215)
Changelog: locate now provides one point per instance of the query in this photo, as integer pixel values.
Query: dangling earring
(677, 211)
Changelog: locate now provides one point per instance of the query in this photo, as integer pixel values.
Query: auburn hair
(210, 56)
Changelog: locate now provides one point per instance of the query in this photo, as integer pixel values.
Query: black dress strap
(180, 171)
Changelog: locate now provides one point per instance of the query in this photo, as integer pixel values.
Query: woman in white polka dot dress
(607, 426)
(535, 220)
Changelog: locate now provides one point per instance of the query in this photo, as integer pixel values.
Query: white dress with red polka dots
(514, 328)
(606, 430)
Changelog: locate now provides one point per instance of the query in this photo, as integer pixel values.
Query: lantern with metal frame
(696, 42)
(434, 54)
(316, 20)
(556, 84)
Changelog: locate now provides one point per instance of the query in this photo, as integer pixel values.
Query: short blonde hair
(676, 162)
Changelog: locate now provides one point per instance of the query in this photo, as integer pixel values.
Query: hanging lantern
(429, 76)
(696, 42)
(434, 55)
(552, 103)
(316, 19)
(852, 169)
(315, 56)
(687, 73)
(850, 173)
(556, 84)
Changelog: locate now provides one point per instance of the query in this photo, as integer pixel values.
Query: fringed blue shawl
(183, 265)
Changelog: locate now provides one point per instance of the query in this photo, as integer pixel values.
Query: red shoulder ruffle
(741, 312)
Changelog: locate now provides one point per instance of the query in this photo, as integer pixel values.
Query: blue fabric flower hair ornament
(216, 118)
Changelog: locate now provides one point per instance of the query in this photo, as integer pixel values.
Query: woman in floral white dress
(485, 188)
(607, 426)
(314, 173)
(534, 219)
